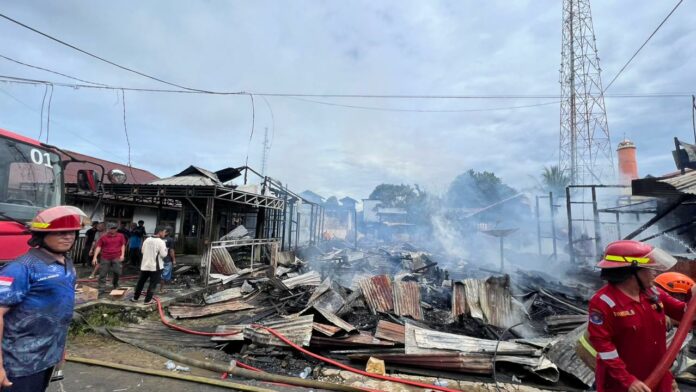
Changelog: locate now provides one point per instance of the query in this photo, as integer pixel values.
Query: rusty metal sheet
(298, 330)
(335, 320)
(564, 355)
(328, 330)
(184, 311)
(311, 278)
(362, 339)
(230, 328)
(390, 331)
(458, 299)
(224, 295)
(377, 291)
(407, 299)
(489, 300)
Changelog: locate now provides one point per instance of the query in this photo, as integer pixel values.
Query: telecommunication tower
(585, 147)
(266, 152)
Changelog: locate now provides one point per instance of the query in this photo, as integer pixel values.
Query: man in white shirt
(154, 251)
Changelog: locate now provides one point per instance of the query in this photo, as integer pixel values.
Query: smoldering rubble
(392, 305)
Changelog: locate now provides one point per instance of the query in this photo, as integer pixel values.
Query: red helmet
(675, 282)
(626, 253)
(60, 218)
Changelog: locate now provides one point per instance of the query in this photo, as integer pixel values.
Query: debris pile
(392, 310)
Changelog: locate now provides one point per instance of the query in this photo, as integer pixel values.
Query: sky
(457, 47)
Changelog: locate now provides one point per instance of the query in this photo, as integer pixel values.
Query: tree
(477, 189)
(392, 195)
(553, 179)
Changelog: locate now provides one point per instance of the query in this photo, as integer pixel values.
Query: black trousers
(37, 382)
(154, 277)
(135, 256)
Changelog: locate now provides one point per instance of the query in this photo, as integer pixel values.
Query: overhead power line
(49, 70)
(101, 58)
(644, 43)
(22, 80)
(383, 109)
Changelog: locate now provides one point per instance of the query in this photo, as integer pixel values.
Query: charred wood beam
(670, 207)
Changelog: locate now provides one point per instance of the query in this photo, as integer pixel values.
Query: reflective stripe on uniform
(627, 259)
(587, 346)
(608, 300)
(655, 290)
(609, 355)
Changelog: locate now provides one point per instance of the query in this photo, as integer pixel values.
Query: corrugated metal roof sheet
(563, 354)
(377, 291)
(675, 184)
(407, 299)
(191, 180)
(486, 299)
(361, 339)
(328, 330)
(224, 295)
(390, 331)
(426, 341)
(333, 319)
(228, 329)
(183, 311)
(453, 362)
(311, 278)
(298, 330)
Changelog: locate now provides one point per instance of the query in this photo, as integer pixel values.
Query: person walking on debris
(154, 252)
(112, 247)
(135, 242)
(89, 241)
(37, 295)
(627, 324)
(170, 259)
(101, 230)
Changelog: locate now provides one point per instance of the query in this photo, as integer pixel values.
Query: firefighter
(676, 284)
(627, 323)
(37, 294)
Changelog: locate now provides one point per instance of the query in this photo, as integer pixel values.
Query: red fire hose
(304, 351)
(667, 360)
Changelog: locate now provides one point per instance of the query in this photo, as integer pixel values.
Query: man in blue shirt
(37, 295)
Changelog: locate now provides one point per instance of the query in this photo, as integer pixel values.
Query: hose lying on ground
(667, 359)
(169, 374)
(220, 368)
(311, 354)
(186, 330)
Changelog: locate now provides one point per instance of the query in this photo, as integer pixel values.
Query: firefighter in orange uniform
(627, 323)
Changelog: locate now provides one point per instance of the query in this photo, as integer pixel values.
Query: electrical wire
(100, 58)
(125, 130)
(251, 135)
(22, 80)
(495, 352)
(644, 43)
(383, 109)
(43, 101)
(48, 114)
(48, 70)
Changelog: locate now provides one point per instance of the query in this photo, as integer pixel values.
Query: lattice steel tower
(585, 148)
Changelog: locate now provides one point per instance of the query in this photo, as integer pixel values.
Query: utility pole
(585, 152)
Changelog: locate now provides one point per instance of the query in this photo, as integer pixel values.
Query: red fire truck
(31, 179)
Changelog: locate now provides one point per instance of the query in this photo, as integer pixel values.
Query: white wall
(147, 214)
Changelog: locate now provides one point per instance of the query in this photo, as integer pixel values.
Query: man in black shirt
(89, 240)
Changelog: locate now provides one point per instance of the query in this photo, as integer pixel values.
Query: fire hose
(667, 360)
(309, 353)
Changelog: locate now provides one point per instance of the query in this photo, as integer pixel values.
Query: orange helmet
(626, 253)
(60, 218)
(674, 282)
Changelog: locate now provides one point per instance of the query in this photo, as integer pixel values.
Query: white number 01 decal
(40, 158)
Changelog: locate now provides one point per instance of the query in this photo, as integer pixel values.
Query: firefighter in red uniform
(627, 317)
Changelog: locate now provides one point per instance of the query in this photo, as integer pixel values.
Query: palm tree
(553, 179)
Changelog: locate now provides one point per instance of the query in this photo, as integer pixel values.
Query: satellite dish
(117, 176)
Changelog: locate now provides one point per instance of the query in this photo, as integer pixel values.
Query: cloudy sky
(337, 47)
